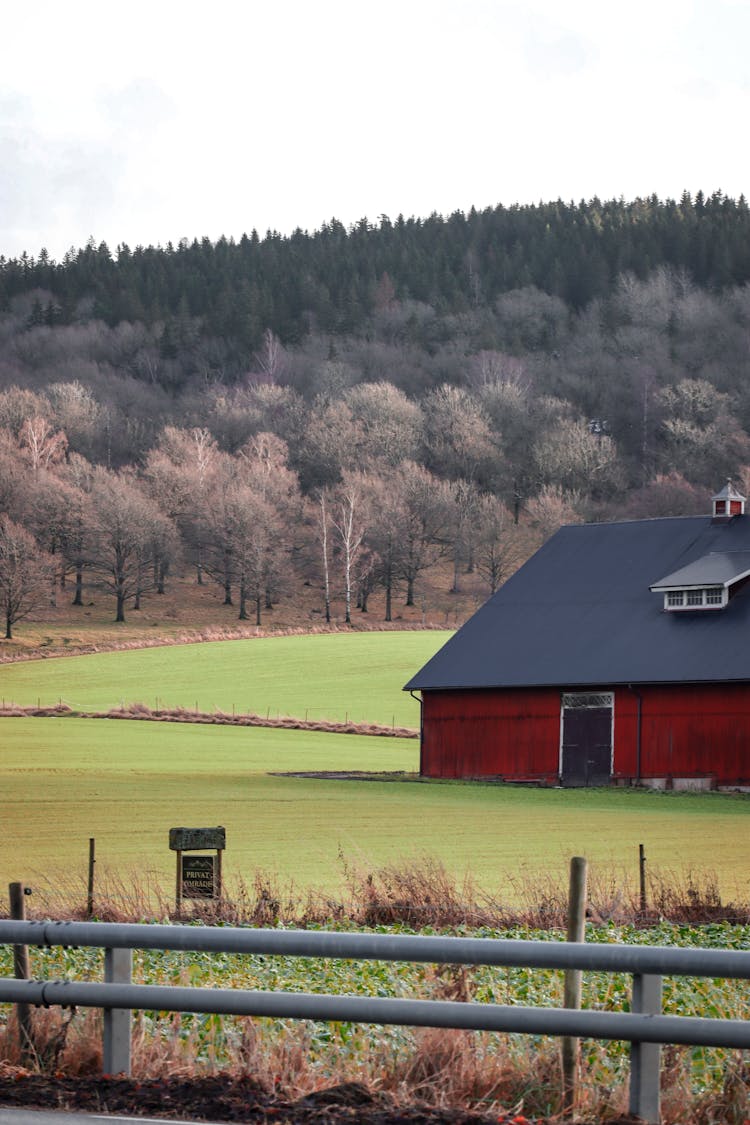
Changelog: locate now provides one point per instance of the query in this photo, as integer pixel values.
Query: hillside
(188, 612)
(374, 423)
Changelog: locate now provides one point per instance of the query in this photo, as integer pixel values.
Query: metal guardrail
(644, 1026)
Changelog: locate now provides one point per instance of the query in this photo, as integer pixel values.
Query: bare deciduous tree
(321, 522)
(500, 545)
(349, 521)
(552, 509)
(41, 443)
(122, 539)
(25, 574)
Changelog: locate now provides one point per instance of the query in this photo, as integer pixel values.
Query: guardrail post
(645, 1058)
(118, 969)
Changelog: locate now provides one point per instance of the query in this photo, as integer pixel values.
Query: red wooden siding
(686, 731)
(491, 733)
(698, 730)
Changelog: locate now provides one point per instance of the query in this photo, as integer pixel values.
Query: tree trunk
(161, 579)
(78, 599)
(389, 599)
(324, 546)
(455, 588)
(258, 601)
(243, 601)
(410, 591)
(348, 590)
(120, 607)
(227, 581)
(8, 623)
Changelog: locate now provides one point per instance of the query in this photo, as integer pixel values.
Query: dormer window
(708, 583)
(709, 597)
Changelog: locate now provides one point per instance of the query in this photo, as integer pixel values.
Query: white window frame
(677, 600)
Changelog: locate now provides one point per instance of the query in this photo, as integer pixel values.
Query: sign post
(198, 876)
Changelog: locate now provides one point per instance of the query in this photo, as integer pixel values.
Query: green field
(356, 676)
(126, 783)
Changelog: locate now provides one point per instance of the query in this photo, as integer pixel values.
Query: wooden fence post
(90, 885)
(572, 994)
(642, 876)
(178, 884)
(17, 894)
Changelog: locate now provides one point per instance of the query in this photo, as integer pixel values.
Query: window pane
(577, 700)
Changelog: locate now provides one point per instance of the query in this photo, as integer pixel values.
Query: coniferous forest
(351, 407)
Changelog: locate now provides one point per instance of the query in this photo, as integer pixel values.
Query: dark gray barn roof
(580, 612)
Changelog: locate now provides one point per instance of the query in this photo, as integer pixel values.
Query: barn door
(586, 756)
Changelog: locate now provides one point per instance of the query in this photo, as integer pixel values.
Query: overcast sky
(158, 120)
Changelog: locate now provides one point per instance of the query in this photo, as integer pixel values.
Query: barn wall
(696, 730)
(491, 733)
(686, 731)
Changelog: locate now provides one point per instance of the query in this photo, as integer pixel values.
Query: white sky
(153, 121)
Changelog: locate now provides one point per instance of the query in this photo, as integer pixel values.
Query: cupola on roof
(729, 502)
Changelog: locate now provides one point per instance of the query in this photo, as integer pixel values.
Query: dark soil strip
(350, 775)
(226, 1098)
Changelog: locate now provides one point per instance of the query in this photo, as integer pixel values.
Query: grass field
(359, 676)
(127, 783)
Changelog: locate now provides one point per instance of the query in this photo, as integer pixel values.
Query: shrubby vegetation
(350, 408)
(481, 1073)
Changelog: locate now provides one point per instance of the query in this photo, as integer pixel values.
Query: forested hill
(354, 411)
(334, 279)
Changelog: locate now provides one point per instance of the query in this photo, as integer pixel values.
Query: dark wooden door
(586, 746)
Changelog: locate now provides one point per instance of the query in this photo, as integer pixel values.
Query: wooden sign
(197, 839)
(198, 876)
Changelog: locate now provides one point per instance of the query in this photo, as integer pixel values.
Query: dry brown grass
(423, 892)
(143, 713)
(418, 892)
(441, 1069)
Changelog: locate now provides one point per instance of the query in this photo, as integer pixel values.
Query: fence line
(644, 1026)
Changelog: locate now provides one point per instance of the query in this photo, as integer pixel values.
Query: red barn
(618, 654)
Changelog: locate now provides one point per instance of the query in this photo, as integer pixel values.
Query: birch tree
(349, 522)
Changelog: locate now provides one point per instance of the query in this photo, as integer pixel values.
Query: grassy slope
(324, 677)
(126, 783)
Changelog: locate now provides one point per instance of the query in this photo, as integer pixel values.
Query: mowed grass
(356, 677)
(127, 783)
